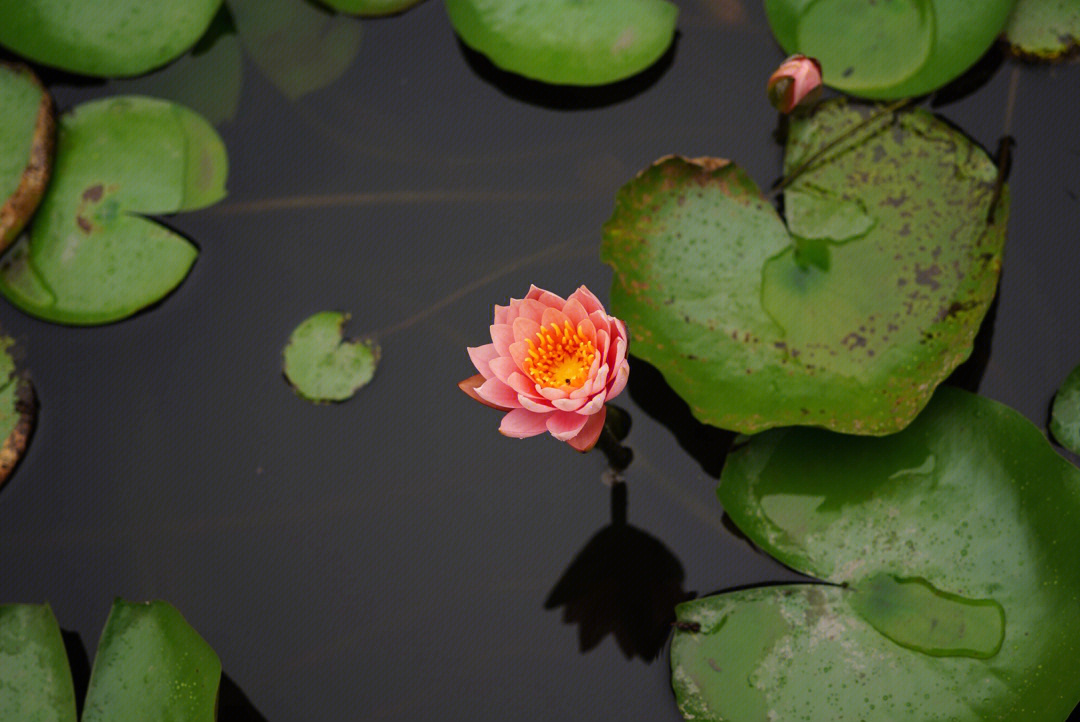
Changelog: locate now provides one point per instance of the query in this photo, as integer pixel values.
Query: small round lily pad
(104, 39)
(26, 148)
(371, 8)
(18, 412)
(1065, 414)
(567, 42)
(1044, 29)
(323, 367)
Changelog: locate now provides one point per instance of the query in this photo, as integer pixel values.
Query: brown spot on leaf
(84, 225)
(93, 193)
(925, 276)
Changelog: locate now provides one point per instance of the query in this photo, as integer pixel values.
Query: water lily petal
(502, 335)
(575, 312)
(502, 367)
(619, 382)
(553, 316)
(568, 404)
(586, 298)
(522, 384)
(545, 297)
(482, 356)
(525, 328)
(500, 313)
(519, 351)
(552, 393)
(471, 384)
(565, 425)
(540, 407)
(498, 394)
(587, 330)
(522, 423)
(595, 404)
(590, 433)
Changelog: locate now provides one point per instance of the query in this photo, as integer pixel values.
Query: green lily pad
(18, 413)
(322, 367)
(26, 148)
(90, 257)
(952, 584)
(1045, 29)
(150, 665)
(297, 45)
(716, 296)
(568, 42)
(371, 7)
(120, 37)
(891, 48)
(1065, 415)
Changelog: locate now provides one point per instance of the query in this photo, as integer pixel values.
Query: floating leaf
(751, 336)
(569, 42)
(321, 366)
(371, 7)
(151, 665)
(120, 37)
(298, 46)
(949, 544)
(26, 148)
(89, 257)
(891, 48)
(18, 413)
(1045, 29)
(1065, 415)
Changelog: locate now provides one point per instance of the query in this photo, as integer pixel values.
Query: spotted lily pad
(120, 37)
(568, 42)
(18, 413)
(371, 7)
(889, 48)
(751, 335)
(1044, 29)
(322, 367)
(90, 257)
(26, 148)
(299, 46)
(951, 591)
(1065, 415)
(151, 665)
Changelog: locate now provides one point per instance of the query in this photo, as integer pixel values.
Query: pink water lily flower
(551, 365)
(796, 82)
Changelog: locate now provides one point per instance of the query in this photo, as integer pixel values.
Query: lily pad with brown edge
(567, 42)
(299, 46)
(26, 147)
(1065, 413)
(323, 367)
(104, 39)
(948, 592)
(889, 48)
(18, 412)
(90, 256)
(150, 665)
(711, 286)
(370, 8)
(1044, 29)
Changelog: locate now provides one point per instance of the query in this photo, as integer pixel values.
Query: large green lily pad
(296, 44)
(18, 413)
(889, 48)
(953, 586)
(322, 367)
(120, 37)
(26, 148)
(90, 257)
(151, 665)
(1046, 29)
(1065, 414)
(568, 42)
(371, 8)
(752, 335)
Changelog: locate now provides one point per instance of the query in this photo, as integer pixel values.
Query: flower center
(559, 357)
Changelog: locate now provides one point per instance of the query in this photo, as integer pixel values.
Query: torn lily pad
(120, 37)
(323, 367)
(26, 148)
(902, 269)
(892, 48)
(90, 256)
(1065, 414)
(370, 8)
(1044, 29)
(567, 42)
(150, 665)
(18, 413)
(943, 546)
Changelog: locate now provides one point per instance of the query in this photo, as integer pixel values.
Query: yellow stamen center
(559, 357)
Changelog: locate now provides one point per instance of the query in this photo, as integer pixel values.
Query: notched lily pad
(90, 257)
(120, 37)
(1065, 415)
(322, 367)
(889, 48)
(18, 413)
(26, 148)
(567, 42)
(371, 8)
(942, 545)
(1044, 29)
(754, 330)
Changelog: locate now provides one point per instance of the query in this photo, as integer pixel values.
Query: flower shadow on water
(624, 582)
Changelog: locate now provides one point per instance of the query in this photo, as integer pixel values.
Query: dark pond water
(389, 558)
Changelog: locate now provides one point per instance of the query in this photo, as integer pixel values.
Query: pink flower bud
(795, 82)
